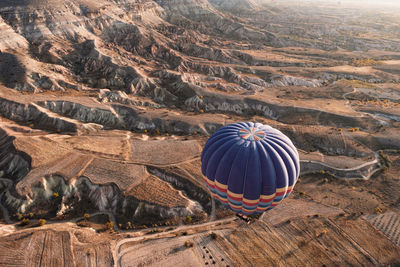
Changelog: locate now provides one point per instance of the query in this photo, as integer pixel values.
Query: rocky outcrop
(130, 118)
(281, 113)
(95, 197)
(13, 72)
(14, 164)
(33, 114)
(236, 5)
(98, 70)
(119, 46)
(186, 185)
(107, 96)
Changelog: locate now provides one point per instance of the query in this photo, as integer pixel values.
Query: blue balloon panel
(250, 167)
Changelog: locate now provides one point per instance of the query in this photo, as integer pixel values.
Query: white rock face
(235, 4)
(10, 39)
(294, 81)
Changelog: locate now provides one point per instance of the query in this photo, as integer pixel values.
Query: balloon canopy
(250, 167)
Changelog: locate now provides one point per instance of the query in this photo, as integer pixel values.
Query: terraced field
(166, 195)
(388, 223)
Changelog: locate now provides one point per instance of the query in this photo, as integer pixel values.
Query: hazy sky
(346, 1)
(397, 2)
(363, 2)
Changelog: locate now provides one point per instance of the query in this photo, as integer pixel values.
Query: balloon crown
(252, 133)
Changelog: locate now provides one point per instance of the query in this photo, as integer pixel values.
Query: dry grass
(362, 62)
(358, 84)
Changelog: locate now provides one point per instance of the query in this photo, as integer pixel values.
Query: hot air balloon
(250, 167)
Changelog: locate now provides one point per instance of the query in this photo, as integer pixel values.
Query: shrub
(213, 235)
(323, 232)
(378, 210)
(188, 219)
(110, 225)
(86, 216)
(302, 243)
(153, 231)
(42, 222)
(25, 221)
(188, 244)
(56, 195)
(361, 62)
(384, 160)
(82, 224)
(19, 216)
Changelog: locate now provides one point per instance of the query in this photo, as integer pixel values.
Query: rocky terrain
(105, 107)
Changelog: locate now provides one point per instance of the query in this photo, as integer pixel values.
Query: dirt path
(366, 174)
(368, 166)
(362, 114)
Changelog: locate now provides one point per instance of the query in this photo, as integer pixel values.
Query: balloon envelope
(250, 167)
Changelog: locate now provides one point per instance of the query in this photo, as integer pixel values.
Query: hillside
(105, 107)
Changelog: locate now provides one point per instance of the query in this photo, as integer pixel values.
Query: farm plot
(102, 146)
(39, 248)
(313, 241)
(388, 223)
(194, 250)
(101, 171)
(166, 195)
(164, 152)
